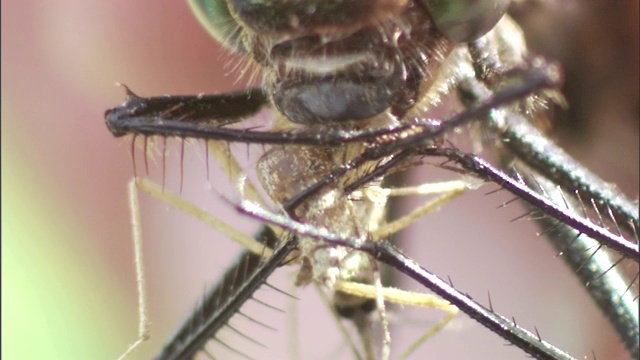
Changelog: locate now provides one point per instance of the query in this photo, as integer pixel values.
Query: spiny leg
(385, 252)
(598, 270)
(526, 150)
(220, 305)
(492, 57)
(226, 299)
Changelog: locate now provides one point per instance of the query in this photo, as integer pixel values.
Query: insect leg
(496, 54)
(241, 281)
(398, 296)
(226, 298)
(205, 117)
(486, 171)
(143, 320)
(607, 291)
(526, 143)
(385, 252)
(448, 190)
(187, 207)
(218, 110)
(595, 268)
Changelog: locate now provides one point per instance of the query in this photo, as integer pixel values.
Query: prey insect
(350, 83)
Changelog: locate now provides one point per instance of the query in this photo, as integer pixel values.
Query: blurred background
(67, 263)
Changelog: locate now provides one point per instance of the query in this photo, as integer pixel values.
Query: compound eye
(466, 20)
(216, 18)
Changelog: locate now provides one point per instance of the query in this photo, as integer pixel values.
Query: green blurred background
(68, 290)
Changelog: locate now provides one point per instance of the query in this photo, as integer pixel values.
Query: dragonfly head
(335, 61)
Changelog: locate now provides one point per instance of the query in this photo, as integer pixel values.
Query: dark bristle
(181, 165)
(206, 159)
(253, 320)
(133, 155)
(243, 335)
(164, 162)
(146, 155)
(232, 349)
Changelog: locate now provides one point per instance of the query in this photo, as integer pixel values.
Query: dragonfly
(363, 76)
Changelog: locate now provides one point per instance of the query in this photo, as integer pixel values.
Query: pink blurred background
(67, 264)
